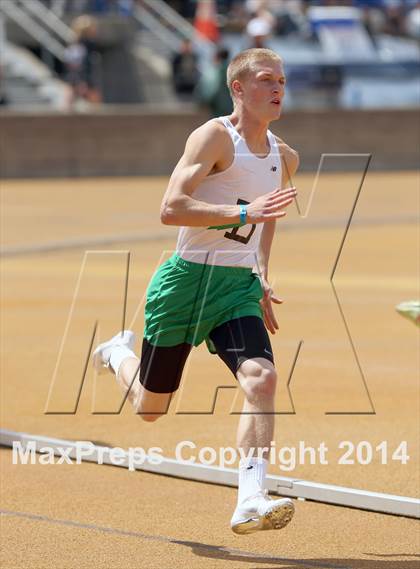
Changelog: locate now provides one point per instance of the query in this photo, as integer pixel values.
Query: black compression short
(235, 341)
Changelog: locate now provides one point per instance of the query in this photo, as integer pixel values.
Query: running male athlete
(226, 194)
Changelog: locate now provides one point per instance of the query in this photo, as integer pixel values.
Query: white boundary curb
(294, 488)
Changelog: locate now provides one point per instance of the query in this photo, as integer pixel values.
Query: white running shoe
(258, 512)
(103, 352)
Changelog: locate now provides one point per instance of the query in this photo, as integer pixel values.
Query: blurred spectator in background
(373, 21)
(282, 17)
(185, 71)
(261, 24)
(122, 7)
(212, 90)
(412, 22)
(82, 62)
(394, 23)
(205, 21)
(125, 7)
(291, 18)
(3, 98)
(98, 6)
(186, 8)
(75, 55)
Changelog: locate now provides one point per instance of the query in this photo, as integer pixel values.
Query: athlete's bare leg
(254, 511)
(257, 378)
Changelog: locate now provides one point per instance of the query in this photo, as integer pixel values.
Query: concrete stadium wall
(138, 141)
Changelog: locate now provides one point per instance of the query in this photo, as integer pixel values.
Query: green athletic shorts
(185, 301)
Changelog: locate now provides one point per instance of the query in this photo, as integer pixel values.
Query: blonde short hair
(243, 63)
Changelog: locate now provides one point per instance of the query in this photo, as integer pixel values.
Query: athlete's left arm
(290, 163)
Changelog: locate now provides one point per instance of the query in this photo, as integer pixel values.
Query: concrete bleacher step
(20, 91)
(148, 39)
(26, 81)
(154, 68)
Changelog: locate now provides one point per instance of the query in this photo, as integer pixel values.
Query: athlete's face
(262, 90)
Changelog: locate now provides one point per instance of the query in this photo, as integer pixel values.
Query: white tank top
(246, 178)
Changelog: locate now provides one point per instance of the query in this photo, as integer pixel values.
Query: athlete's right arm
(206, 151)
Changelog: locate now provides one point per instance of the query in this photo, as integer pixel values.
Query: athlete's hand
(270, 206)
(268, 312)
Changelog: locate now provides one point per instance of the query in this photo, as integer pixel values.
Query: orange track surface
(83, 511)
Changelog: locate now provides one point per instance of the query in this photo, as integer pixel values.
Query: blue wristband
(242, 214)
